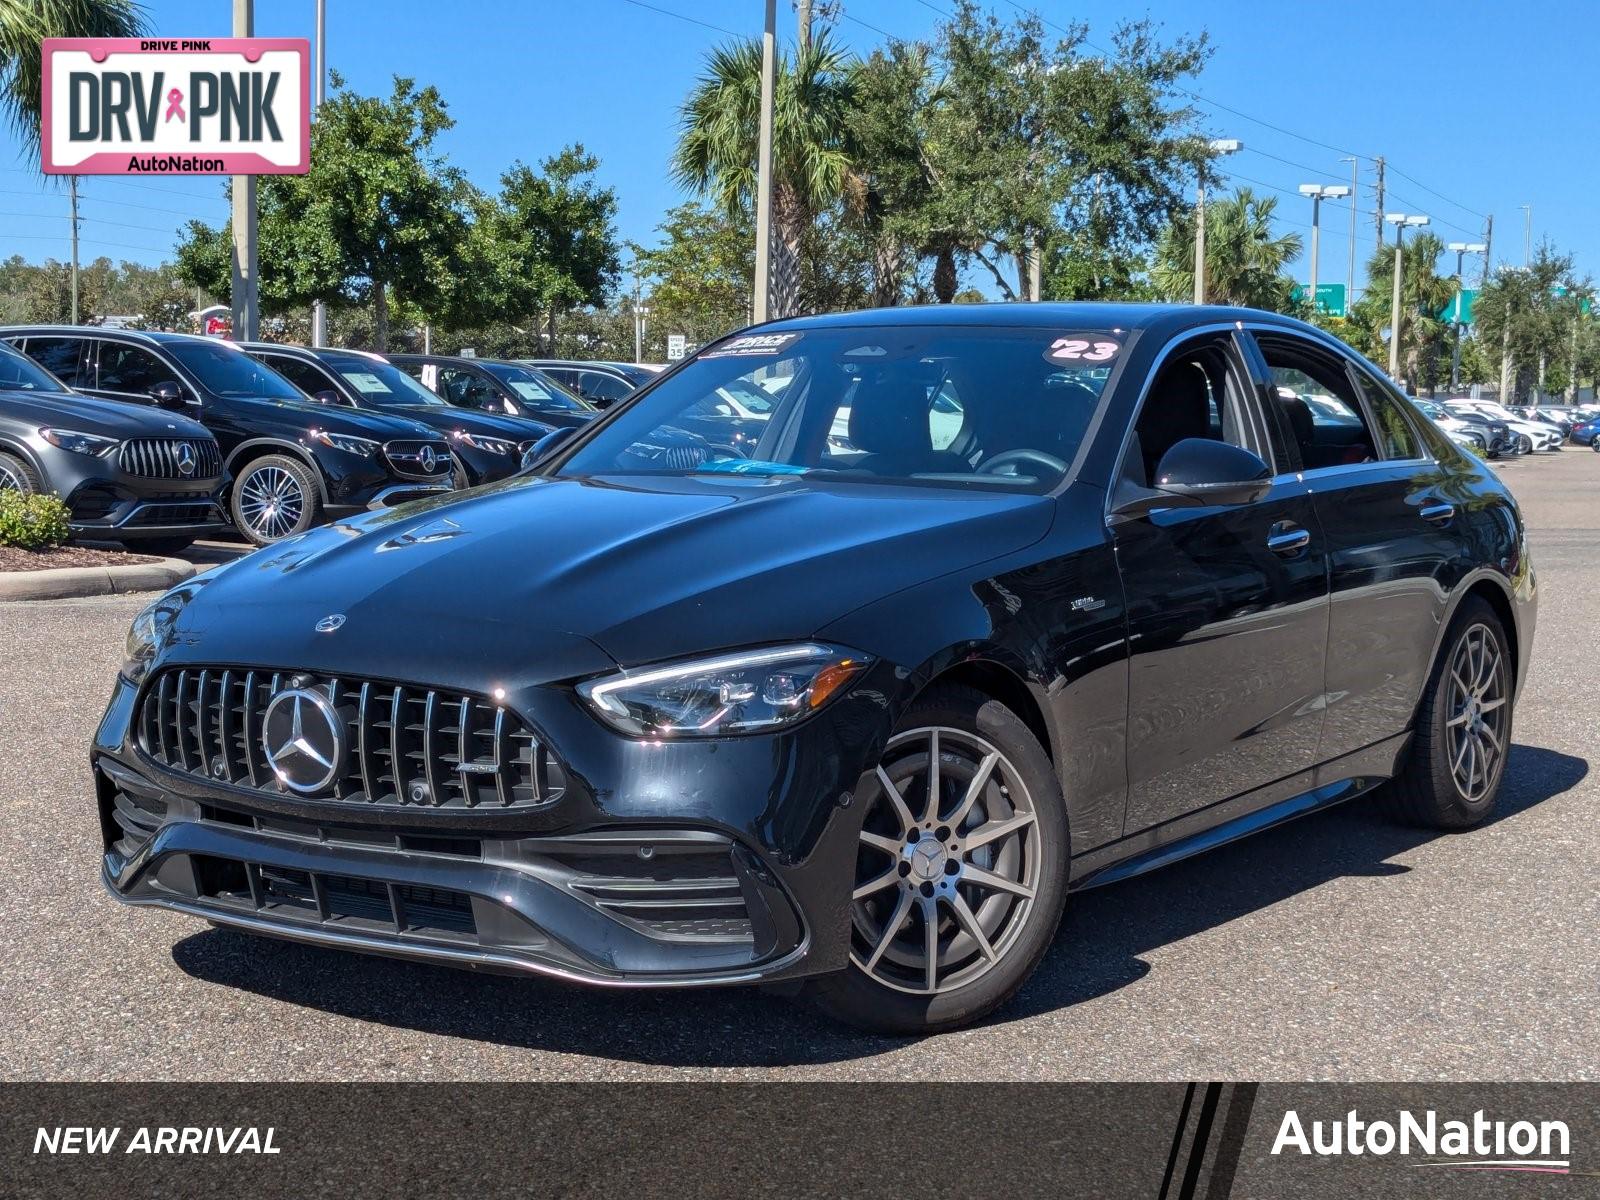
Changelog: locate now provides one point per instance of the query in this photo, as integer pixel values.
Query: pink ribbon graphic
(175, 105)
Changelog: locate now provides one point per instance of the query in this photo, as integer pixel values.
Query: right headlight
(754, 690)
(152, 628)
(350, 444)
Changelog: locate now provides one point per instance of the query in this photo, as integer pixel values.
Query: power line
(667, 12)
(1439, 195)
(43, 237)
(96, 220)
(868, 25)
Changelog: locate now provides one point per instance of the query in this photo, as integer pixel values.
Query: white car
(1541, 435)
(1462, 433)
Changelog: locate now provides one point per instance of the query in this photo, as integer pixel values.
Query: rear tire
(275, 497)
(988, 890)
(17, 476)
(1458, 755)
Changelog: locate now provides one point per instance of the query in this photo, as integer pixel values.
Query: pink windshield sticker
(1083, 348)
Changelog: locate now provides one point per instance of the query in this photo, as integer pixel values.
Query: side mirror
(1200, 472)
(545, 446)
(169, 396)
(326, 396)
(601, 402)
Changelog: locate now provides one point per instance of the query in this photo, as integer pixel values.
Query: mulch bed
(13, 559)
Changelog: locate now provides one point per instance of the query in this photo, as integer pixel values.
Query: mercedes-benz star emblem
(186, 459)
(330, 622)
(304, 739)
(426, 457)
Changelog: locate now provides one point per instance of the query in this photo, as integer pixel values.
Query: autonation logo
(1478, 1144)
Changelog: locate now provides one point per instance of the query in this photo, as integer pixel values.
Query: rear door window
(61, 356)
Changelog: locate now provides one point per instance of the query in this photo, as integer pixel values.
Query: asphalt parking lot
(1338, 947)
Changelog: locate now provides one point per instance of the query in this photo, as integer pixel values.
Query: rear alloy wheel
(1458, 755)
(960, 873)
(274, 497)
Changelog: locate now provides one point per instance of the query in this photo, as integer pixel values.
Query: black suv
(497, 386)
(489, 445)
(149, 480)
(293, 460)
(600, 383)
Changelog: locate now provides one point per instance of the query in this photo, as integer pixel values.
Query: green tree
(700, 272)
(716, 152)
(1424, 294)
(24, 24)
(379, 218)
(1245, 260)
(1523, 318)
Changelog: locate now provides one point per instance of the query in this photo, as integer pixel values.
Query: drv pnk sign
(168, 106)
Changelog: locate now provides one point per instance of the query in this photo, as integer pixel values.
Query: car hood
(529, 580)
(338, 419)
(446, 418)
(110, 418)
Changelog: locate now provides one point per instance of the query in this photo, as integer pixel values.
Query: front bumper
(105, 501)
(668, 865)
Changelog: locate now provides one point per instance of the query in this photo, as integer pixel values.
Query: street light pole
(1400, 221)
(72, 186)
(1527, 234)
(1461, 249)
(769, 69)
(246, 309)
(319, 310)
(1317, 192)
(1218, 148)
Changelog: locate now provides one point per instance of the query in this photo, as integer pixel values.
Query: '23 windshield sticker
(1091, 348)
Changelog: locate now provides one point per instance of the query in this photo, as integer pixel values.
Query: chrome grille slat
(157, 458)
(208, 721)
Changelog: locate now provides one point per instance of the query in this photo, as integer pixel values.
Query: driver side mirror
(169, 396)
(1200, 472)
(326, 396)
(545, 446)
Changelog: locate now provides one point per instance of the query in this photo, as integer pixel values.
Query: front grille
(408, 459)
(335, 899)
(160, 458)
(404, 746)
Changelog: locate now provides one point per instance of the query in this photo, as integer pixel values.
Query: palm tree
(1245, 262)
(1424, 294)
(716, 153)
(24, 24)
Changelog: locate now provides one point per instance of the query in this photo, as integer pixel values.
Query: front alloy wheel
(960, 872)
(274, 497)
(1477, 702)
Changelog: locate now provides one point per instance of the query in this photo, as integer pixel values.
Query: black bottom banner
(1163, 1141)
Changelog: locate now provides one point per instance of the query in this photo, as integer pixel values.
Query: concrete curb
(66, 583)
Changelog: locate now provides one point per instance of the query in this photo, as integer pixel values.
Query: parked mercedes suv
(294, 461)
(1086, 590)
(488, 445)
(496, 386)
(147, 479)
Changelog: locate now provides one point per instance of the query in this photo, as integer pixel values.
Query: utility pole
(1355, 203)
(763, 296)
(803, 41)
(72, 190)
(319, 310)
(1488, 247)
(1377, 216)
(246, 309)
(1527, 234)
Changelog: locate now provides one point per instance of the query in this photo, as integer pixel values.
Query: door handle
(1287, 538)
(1439, 513)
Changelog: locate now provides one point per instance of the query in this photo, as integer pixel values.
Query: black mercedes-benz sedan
(1086, 589)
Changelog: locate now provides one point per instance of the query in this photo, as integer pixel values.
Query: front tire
(275, 497)
(959, 888)
(1458, 756)
(17, 476)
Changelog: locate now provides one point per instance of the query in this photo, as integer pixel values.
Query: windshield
(952, 407)
(537, 389)
(22, 374)
(226, 370)
(382, 383)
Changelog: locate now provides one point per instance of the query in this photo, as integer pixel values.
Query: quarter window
(62, 357)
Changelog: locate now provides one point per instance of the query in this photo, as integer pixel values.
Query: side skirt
(1334, 782)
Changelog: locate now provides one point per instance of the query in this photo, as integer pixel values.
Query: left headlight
(365, 447)
(755, 690)
(80, 443)
(488, 445)
(153, 626)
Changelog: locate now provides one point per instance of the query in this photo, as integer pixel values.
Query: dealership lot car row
(981, 607)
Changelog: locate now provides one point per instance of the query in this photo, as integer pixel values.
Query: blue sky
(1478, 109)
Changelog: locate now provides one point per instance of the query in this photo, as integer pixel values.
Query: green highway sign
(1331, 298)
(1459, 310)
